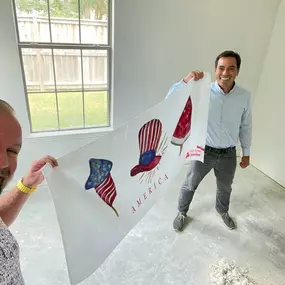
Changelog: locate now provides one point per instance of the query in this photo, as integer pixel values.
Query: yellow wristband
(23, 188)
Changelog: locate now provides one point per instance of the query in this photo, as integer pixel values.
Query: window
(65, 51)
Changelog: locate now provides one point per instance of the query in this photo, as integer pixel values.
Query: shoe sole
(231, 228)
(179, 231)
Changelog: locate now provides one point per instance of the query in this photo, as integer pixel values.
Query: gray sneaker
(179, 222)
(228, 221)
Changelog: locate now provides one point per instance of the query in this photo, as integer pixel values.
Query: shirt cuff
(245, 151)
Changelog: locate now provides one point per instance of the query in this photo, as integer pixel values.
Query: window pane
(94, 21)
(43, 111)
(95, 69)
(96, 108)
(68, 70)
(64, 17)
(32, 18)
(70, 105)
(38, 70)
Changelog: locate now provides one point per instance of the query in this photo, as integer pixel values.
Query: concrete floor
(154, 254)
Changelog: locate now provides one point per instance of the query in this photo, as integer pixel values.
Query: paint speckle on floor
(224, 272)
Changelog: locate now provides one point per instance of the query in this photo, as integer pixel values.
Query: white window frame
(75, 46)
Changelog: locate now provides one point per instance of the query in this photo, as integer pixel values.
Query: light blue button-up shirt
(229, 117)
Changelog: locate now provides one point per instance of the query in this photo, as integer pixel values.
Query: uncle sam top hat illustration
(149, 137)
(101, 180)
(183, 127)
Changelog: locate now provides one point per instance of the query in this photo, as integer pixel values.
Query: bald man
(12, 202)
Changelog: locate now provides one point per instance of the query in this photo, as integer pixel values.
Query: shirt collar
(218, 89)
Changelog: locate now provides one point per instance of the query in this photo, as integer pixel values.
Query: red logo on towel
(195, 152)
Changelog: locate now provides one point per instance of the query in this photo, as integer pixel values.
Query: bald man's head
(4, 106)
(10, 143)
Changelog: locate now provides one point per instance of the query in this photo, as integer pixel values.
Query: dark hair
(229, 53)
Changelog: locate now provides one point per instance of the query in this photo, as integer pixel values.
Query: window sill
(67, 133)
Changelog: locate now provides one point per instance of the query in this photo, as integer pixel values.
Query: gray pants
(224, 166)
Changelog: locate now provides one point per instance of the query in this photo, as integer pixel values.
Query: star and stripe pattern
(101, 180)
(149, 135)
(107, 190)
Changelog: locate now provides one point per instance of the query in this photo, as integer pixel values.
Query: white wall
(158, 42)
(269, 115)
(155, 44)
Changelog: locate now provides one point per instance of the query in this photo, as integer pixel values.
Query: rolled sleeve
(245, 133)
(175, 86)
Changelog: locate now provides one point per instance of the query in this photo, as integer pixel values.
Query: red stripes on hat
(149, 135)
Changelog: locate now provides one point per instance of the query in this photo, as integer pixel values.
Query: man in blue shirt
(229, 120)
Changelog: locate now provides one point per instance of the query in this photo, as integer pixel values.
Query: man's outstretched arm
(195, 75)
(12, 202)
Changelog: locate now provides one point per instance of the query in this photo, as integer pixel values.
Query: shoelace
(181, 217)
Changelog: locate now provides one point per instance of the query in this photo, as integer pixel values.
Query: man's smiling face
(226, 72)
(10, 145)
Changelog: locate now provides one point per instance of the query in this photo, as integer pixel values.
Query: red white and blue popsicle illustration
(183, 127)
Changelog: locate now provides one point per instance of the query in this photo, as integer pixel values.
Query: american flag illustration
(101, 180)
(149, 135)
